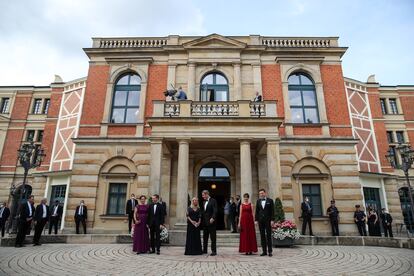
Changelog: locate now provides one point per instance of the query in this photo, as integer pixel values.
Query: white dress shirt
(132, 203)
(1, 212)
(155, 208)
(206, 203)
(80, 213)
(30, 209)
(263, 203)
(55, 210)
(44, 211)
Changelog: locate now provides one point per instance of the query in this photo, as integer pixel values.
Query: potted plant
(284, 232)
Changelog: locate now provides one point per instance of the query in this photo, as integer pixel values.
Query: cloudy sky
(40, 38)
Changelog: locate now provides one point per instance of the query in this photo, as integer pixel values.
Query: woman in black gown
(193, 242)
(373, 223)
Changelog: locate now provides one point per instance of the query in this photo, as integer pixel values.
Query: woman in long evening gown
(141, 242)
(248, 243)
(193, 241)
(373, 223)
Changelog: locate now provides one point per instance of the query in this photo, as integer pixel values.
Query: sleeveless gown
(193, 241)
(141, 242)
(248, 241)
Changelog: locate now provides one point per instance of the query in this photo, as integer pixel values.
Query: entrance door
(372, 199)
(215, 178)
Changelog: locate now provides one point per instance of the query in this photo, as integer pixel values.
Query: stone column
(237, 95)
(191, 81)
(155, 166)
(171, 75)
(274, 177)
(257, 77)
(182, 180)
(245, 168)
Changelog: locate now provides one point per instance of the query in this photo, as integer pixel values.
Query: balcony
(215, 120)
(242, 109)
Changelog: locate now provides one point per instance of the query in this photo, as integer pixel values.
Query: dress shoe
(18, 245)
(263, 254)
(204, 252)
(213, 254)
(234, 231)
(270, 254)
(158, 252)
(36, 244)
(152, 252)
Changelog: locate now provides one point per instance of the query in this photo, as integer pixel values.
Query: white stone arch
(226, 73)
(119, 71)
(303, 68)
(117, 162)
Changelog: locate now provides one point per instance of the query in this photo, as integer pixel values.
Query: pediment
(215, 41)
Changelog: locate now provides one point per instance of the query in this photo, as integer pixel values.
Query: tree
(279, 213)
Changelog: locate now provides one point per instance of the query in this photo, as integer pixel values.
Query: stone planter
(286, 242)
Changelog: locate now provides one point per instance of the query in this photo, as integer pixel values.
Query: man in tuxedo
(307, 211)
(233, 214)
(26, 213)
(156, 216)
(386, 220)
(129, 210)
(81, 215)
(41, 217)
(56, 212)
(209, 216)
(4, 215)
(265, 213)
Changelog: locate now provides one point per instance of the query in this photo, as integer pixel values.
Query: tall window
(302, 99)
(46, 106)
(383, 106)
(393, 106)
(116, 198)
(214, 88)
(30, 135)
(125, 103)
(313, 191)
(39, 136)
(4, 106)
(37, 106)
(400, 136)
(390, 137)
(395, 154)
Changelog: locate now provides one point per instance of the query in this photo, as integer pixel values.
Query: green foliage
(279, 213)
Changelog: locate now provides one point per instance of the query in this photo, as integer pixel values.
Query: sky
(41, 38)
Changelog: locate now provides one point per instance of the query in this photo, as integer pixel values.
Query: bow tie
(263, 199)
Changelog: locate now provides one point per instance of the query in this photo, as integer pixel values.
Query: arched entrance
(215, 177)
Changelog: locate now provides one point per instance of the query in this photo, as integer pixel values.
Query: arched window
(125, 102)
(214, 88)
(302, 99)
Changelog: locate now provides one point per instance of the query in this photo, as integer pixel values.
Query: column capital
(156, 140)
(236, 63)
(272, 140)
(191, 63)
(183, 140)
(245, 140)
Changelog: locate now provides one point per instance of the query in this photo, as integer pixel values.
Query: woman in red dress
(248, 243)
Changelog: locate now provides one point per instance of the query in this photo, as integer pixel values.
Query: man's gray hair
(205, 192)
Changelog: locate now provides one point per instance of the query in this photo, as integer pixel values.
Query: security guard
(360, 219)
(333, 214)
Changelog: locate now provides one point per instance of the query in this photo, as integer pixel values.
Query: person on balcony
(258, 97)
(181, 95)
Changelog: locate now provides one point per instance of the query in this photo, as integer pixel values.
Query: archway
(215, 177)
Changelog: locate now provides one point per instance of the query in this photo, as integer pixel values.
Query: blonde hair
(192, 205)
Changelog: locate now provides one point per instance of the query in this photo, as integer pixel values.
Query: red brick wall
(307, 131)
(157, 82)
(335, 99)
(114, 130)
(94, 99)
(50, 126)
(379, 127)
(272, 86)
(407, 104)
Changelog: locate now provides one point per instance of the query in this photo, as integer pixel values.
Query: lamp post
(30, 156)
(407, 159)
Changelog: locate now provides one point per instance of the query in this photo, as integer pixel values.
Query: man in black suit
(56, 212)
(129, 210)
(307, 212)
(209, 216)
(265, 213)
(26, 213)
(233, 215)
(156, 216)
(81, 215)
(4, 215)
(41, 217)
(386, 220)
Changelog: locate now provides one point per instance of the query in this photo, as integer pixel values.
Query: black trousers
(155, 234)
(38, 230)
(21, 232)
(387, 230)
(130, 217)
(78, 221)
(266, 236)
(361, 228)
(53, 223)
(210, 231)
(307, 220)
(335, 228)
(2, 226)
(233, 223)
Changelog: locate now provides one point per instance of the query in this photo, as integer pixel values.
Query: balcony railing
(215, 109)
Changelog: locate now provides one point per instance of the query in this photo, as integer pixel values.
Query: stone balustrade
(293, 42)
(132, 43)
(242, 108)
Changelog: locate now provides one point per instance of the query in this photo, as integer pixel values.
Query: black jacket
(267, 214)
(59, 211)
(25, 212)
(386, 218)
(156, 219)
(85, 212)
(210, 212)
(306, 211)
(128, 209)
(233, 209)
(6, 214)
(39, 213)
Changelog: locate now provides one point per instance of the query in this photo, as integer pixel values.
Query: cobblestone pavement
(118, 259)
